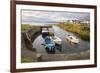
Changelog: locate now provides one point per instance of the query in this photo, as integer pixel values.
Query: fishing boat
(72, 39)
(48, 31)
(57, 40)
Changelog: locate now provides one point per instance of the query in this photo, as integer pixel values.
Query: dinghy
(72, 39)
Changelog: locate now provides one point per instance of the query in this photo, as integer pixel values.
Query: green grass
(81, 30)
(25, 27)
(26, 60)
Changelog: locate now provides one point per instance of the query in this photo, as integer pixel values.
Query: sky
(51, 17)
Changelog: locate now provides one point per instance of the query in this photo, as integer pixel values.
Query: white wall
(5, 36)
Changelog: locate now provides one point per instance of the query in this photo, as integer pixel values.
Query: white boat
(49, 31)
(72, 39)
(57, 40)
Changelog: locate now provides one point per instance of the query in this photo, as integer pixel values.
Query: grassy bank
(81, 30)
(25, 27)
(26, 60)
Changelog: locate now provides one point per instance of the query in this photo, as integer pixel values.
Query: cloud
(44, 17)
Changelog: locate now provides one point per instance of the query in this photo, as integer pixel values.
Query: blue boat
(49, 44)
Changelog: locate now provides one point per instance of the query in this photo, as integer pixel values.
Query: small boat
(72, 39)
(49, 44)
(56, 39)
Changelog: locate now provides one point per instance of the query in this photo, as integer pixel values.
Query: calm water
(66, 47)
